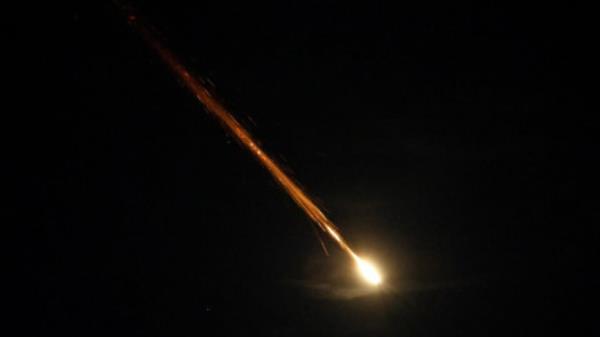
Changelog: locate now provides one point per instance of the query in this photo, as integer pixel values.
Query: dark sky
(450, 144)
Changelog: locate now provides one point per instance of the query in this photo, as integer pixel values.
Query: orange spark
(216, 109)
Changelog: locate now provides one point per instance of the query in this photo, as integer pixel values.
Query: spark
(230, 123)
(368, 271)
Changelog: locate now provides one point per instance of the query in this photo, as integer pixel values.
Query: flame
(368, 271)
(230, 123)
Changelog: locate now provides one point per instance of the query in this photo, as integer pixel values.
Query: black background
(450, 144)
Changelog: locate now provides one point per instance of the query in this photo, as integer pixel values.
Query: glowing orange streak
(216, 109)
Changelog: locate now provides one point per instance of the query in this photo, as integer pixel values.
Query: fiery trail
(215, 108)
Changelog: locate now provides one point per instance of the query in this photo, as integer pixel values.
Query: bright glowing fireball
(368, 271)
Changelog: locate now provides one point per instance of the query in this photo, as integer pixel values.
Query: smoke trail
(216, 109)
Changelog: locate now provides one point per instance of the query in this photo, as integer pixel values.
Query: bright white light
(368, 271)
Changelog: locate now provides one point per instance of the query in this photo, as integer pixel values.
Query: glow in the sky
(368, 271)
(239, 132)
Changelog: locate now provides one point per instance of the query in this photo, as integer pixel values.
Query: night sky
(450, 144)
